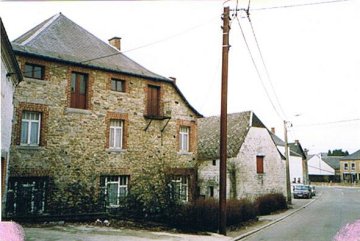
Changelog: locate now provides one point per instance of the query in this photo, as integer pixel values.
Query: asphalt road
(319, 221)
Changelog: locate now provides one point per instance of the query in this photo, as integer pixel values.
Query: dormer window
(34, 71)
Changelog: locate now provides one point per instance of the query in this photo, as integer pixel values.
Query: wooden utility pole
(288, 186)
(223, 121)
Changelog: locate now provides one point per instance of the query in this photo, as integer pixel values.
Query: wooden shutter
(153, 101)
(260, 164)
(78, 91)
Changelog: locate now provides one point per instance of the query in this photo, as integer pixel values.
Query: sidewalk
(268, 220)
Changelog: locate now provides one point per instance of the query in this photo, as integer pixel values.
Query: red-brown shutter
(78, 91)
(153, 104)
(259, 164)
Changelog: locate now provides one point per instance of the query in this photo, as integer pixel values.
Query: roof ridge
(37, 32)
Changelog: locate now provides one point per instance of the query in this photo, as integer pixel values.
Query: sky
(304, 66)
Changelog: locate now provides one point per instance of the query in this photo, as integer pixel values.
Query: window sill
(28, 147)
(33, 80)
(69, 110)
(184, 153)
(115, 150)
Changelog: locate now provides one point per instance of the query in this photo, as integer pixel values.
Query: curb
(273, 222)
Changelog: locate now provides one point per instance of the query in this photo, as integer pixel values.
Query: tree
(338, 152)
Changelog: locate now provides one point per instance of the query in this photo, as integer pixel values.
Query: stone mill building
(89, 122)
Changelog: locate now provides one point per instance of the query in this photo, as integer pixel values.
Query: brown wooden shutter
(153, 101)
(78, 90)
(260, 164)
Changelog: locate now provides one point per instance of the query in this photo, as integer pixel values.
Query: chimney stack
(273, 130)
(116, 42)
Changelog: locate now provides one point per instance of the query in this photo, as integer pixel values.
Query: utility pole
(288, 186)
(223, 121)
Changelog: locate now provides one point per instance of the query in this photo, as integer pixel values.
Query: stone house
(10, 77)
(254, 166)
(89, 123)
(297, 159)
(350, 168)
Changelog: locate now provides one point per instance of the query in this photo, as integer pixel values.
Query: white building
(10, 77)
(319, 169)
(254, 166)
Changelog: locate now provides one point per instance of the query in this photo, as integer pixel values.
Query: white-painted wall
(7, 92)
(296, 169)
(249, 184)
(317, 166)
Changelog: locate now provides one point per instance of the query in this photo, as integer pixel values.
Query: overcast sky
(311, 53)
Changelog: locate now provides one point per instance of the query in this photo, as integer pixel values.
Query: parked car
(313, 191)
(302, 191)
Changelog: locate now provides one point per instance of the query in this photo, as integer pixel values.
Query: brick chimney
(273, 130)
(116, 42)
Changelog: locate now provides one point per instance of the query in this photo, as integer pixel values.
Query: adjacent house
(350, 168)
(254, 166)
(10, 77)
(319, 170)
(297, 159)
(90, 122)
(334, 162)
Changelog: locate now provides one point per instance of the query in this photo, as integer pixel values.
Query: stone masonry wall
(76, 148)
(242, 169)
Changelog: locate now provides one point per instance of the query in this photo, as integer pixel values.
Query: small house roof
(238, 125)
(333, 161)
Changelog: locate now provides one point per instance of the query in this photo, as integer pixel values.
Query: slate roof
(6, 49)
(238, 125)
(333, 161)
(297, 150)
(353, 156)
(60, 39)
(277, 140)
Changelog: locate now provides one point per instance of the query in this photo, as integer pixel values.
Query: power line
(263, 62)
(328, 123)
(257, 70)
(299, 5)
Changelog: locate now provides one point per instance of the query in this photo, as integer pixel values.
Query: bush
(270, 203)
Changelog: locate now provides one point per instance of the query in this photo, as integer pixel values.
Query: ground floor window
(351, 177)
(180, 188)
(27, 195)
(114, 188)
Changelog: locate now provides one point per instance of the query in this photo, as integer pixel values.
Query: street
(321, 220)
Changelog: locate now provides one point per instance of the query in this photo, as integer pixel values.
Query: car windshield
(301, 188)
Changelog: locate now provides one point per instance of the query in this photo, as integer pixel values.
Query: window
(184, 138)
(30, 128)
(153, 101)
(180, 188)
(214, 162)
(353, 166)
(79, 90)
(260, 164)
(346, 166)
(211, 191)
(115, 188)
(116, 134)
(26, 196)
(118, 85)
(34, 71)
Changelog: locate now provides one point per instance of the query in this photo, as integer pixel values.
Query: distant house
(297, 159)
(254, 165)
(10, 77)
(90, 123)
(350, 168)
(334, 162)
(319, 170)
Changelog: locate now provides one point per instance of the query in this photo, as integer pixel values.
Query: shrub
(270, 203)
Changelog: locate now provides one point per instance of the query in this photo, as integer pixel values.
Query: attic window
(34, 71)
(118, 85)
